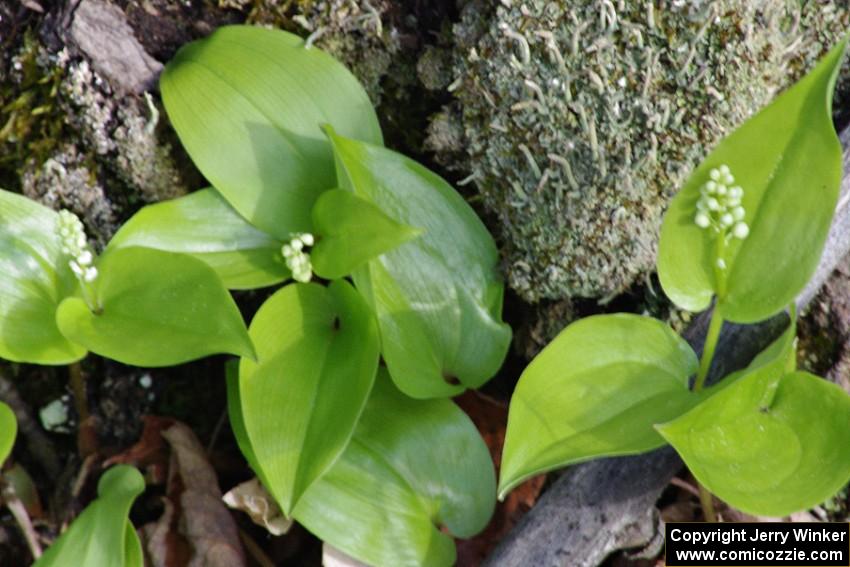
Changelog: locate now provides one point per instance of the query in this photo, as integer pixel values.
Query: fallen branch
(605, 505)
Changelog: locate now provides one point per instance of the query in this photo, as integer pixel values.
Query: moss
(31, 120)
(582, 117)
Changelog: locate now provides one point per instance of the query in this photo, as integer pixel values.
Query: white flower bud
(90, 274)
(702, 220)
(711, 186)
(296, 244)
(714, 174)
(85, 258)
(713, 204)
(75, 267)
(721, 190)
(741, 230)
(726, 220)
(287, 251)
(738, 213)
(724, 169)
(307, 239)
(736, 192)
(728, 179)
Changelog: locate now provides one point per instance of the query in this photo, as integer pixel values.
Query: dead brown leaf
(196, 528)
(252, 498)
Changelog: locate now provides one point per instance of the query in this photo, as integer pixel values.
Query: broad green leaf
(787, 160)
(247, 104)
(411, 466)
(351, 232)
(34, 278)
(8, 431)
(768, 452)
(438, 297)
(202, 224)
(596, 390)
(102, 534)
(317, 354)
(155, 309)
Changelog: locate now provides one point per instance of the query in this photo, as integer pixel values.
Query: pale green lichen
(582, 118)
(123, 131)
(65, 181)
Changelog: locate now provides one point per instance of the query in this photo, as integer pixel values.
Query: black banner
(758, 545)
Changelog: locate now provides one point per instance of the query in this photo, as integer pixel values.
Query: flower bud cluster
(73, 240)
(297, 259)
(719, 206)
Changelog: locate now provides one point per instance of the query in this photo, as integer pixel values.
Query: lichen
(582, 118)
(65, 181)
(70, 142)
(123, 132)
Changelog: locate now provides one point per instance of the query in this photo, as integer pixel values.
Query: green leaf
(102, 534)
(596, 390)
(202, 224)
(247, 104)
(787, 159)
(773, 458)
(34, 278)
(438, 297)
(352, 231)
(778, 359)
(156, 309)
(412, 465)
(8, 431)
(317, 354)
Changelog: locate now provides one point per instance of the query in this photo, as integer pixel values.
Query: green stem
(708, 348)
(714, 327)
(707, 504)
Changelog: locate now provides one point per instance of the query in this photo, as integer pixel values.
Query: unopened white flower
(73, 243)
(297, 259)
(741, 230)
(719, 206)
(738, 213)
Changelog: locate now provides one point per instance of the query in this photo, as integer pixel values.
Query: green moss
(31, 120)
(582, 117)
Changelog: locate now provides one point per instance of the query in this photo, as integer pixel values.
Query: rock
(101, 31)
(582, 118)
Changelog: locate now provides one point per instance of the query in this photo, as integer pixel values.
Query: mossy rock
(582, 118)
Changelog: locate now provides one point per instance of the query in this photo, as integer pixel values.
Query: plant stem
(19, 512)
(708, 348)
(707, 504)
(78, 387)
(714, 327)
